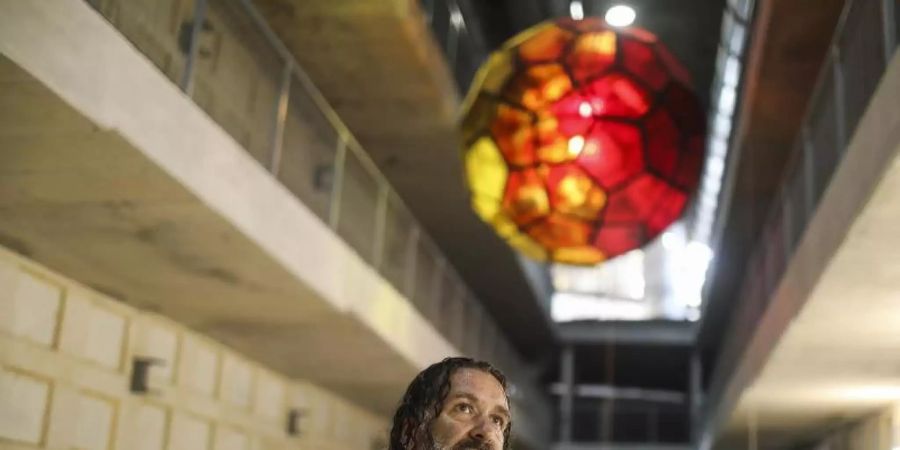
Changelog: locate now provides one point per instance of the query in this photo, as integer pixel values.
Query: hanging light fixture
(581, 141)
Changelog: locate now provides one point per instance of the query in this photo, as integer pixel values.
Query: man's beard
(468, 444)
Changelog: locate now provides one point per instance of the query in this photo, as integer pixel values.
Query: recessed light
(620, 16)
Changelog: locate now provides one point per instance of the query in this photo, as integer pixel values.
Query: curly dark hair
(424, 400)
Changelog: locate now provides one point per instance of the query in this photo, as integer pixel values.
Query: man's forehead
(479, 384)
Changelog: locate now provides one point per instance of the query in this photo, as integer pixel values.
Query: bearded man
(456, 404)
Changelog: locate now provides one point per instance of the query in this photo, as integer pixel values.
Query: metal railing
(864, 42)
(224, 56)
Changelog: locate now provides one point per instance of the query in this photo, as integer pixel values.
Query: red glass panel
(573, 192)
(636, 201)
(525, 199)
(514, 134)
(612, 153)
(617, 95)
(583, 26)
(688, 175)
(639, 34)
(575, 114)
(662, 143)
(667, 211)
(559, 231)
(613, 240)
(685, 110)
(675, 68)
(642, 62)
(538, 86)
(545, 46)
(592, 55)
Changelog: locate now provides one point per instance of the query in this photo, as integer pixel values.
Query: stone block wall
(66, 359)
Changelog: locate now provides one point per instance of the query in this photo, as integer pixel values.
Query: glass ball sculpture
(581, 141)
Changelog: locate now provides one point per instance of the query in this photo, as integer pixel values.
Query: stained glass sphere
(581, 141)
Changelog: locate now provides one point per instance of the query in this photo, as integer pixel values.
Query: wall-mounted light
(293, 421)
(140, 374)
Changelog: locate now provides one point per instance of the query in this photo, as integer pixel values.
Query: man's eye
(464, 408)
(499, 421)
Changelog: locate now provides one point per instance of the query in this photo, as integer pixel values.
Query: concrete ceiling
(378, 65)
(831, 361)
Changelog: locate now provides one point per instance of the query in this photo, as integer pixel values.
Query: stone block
(150, 428)
(105, 338)
(269, 400)
(95, 423)
(23, 404)
(31, 305)
(228, 438)
(199, 366)
(188, 432)
(237, 381)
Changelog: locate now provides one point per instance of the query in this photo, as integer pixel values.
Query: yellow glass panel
(486, 169)
(504, 226)
(577, 194)
(527, 246)
(579, 255)
(486, 208)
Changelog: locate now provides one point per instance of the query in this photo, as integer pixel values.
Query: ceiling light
(576, 10)
(620, 16)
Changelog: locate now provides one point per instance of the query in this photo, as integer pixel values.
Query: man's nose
(481, 429)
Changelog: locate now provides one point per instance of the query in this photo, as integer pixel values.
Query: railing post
(281, 109)
(381, 208)
(889, 21)
(412, 256)
(840, 103)
(187, 78)
(340, 159)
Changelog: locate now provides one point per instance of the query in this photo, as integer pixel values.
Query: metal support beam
(567, 399)
(605, 391)
(680, 334)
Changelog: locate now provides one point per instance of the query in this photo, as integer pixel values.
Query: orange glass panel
(512, 130)
(612, 154)
(573, 192)
(538, 86)
(525, 199)
(592, 55)
(559, 231)
(545, 46)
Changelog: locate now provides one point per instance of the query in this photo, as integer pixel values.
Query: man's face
(474, 414)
